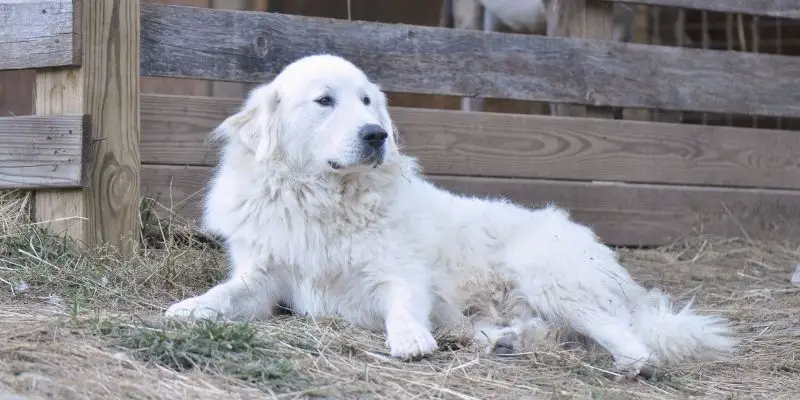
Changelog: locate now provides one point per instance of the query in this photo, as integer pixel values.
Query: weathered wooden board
(622, 214)
(39, 33)
(107, 88)
(253, 46)
(175, 130)
(166, 85)
(43, 152)
(771, 8)
(590, 19)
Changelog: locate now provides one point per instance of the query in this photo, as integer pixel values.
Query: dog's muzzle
(373, 137)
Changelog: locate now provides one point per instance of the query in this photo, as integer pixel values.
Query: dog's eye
(366, 100)
(325, 101)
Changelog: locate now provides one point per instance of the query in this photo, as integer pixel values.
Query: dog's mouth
(374, 160)
(335, 165)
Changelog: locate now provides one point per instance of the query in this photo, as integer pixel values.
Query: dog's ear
(255, 125)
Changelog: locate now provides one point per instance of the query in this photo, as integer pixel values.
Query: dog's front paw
(408, 339)
(194, 308)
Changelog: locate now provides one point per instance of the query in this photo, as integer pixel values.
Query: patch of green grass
(666, 380)
(597, 393)
(172, 263)
(234, 350)
(592, 369)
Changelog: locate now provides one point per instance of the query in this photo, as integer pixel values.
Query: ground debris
(104, 337)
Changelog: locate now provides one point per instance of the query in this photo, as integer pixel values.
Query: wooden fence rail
(175, 128)
(252, 47)
(44, 152)
(622, 214)
(39, 34)
(769, 8)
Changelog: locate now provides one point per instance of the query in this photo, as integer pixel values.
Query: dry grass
(84, 324)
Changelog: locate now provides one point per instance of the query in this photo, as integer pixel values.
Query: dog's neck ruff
(282, 178)
(295, 198)
(298, 214)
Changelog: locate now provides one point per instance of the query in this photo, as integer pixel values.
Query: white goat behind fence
(519, 15)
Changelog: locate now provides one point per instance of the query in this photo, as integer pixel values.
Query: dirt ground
(85, 324)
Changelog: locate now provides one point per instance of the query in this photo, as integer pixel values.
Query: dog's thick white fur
(320, 210)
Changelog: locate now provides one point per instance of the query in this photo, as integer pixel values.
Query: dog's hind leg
(613, 334)
(588, 303)
(570, 277)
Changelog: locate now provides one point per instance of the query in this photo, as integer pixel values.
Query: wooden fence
(81, 150)
(637, 183)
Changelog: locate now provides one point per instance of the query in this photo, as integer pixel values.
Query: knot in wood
(261, 46)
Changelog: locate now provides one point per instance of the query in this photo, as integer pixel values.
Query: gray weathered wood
(175, 131)
(590, 19)
(622, 214)
(254, 46)
(39, 33)
(44, 152)
(771, 8)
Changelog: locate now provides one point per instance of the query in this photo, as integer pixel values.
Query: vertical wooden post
(106, 86)
(591, 19)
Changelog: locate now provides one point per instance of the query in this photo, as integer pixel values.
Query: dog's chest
(311, 229)
(330, 290)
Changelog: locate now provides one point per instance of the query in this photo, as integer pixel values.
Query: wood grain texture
(254, 46)
(622, 214)
(771, 8)
(589, 19)
(175, 131)
(106, 87)
(60, 91)
(162, 85)
(41, 152)
(39, 33)
(223, 88)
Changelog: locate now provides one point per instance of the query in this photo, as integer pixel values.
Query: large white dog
(319, 210)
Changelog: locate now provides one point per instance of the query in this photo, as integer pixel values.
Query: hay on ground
(85, 324)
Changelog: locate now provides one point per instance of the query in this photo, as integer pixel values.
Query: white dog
(320, 211)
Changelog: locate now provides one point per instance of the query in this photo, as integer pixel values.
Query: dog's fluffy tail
(683, 335)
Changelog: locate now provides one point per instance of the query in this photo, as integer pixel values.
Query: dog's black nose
(373, 135)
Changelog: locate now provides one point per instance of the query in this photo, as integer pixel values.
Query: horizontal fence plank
(254, 46)
(41, 152)
(175, 130)
(770, 8)
(39, 33)
(622, 214)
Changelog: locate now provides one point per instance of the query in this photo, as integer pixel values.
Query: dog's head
(321, 113)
